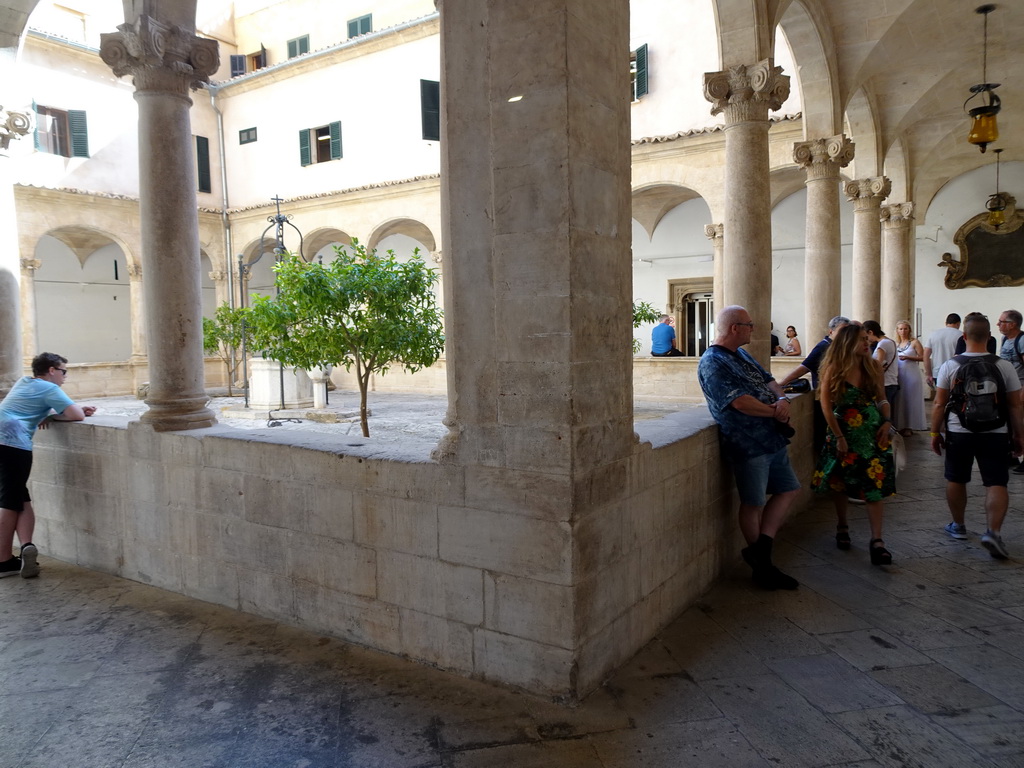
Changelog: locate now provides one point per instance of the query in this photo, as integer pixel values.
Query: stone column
(822, 159)
(867, 196)
(746, 94)
(897, 278)
(138, 310)
(13, 125)
(713, 232)
(165, 60)
(29, 342)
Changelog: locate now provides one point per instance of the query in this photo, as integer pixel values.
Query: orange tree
(363, 310)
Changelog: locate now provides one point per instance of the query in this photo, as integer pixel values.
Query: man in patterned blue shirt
(753, 420)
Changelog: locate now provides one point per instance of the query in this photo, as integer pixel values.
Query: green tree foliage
(363, 309)
(643, 312)
(222, 337)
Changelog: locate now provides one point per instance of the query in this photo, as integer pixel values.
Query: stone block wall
(430, 561)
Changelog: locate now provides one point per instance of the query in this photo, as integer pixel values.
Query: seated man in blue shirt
(663, 339)
(752, 414)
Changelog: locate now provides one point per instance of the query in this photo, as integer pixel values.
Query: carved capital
(868, 192)
(713, 232)
(134, 271)
(28, 266)
(746, 92)
(159, 56)
(822, 158)
(218, 275)
(13, 125)
(435, 256)
(896, 215)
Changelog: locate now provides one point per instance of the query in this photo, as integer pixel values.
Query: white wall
(959, 200)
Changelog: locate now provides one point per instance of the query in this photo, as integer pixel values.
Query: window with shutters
(639, 72)
(430, 109)
(237, 65)
(298, 46)
(321, 144)
(61, 132)
(360, 26)
(258, 60)
(203, 179)
(247, 136)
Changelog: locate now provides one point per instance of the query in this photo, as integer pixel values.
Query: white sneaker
(956, 530)
(993, 542)
(29, 566)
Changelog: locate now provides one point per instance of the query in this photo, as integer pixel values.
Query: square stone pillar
(536, 195)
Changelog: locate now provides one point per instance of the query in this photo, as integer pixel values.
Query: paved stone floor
(918, 664)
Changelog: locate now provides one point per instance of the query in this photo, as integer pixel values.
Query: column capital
(746, 92)
(28, 266)
(873, 189)
(896, 215)
(160, 56)
(822, 158)
(435, 256)
(13, 125)
(713, 231)
(218, 275)
(134, 272)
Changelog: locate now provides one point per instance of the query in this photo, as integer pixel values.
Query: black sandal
(879, 555)
(843, 537)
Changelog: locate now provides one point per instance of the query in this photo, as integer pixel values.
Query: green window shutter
(335, 140)
(293, 49)
(79, 133)
(641, 71)
(303, 44)
(353, 28)
(430, 109)
(37, 140)
(237, 65)
(305, 157)
(203, 164)
(366, 24)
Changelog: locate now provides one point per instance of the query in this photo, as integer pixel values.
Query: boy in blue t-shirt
(33, 402)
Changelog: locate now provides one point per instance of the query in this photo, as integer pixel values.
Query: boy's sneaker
(956, 530)
(10, 567)
(993, 542)
(29, 566)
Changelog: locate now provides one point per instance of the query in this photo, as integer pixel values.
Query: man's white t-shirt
(942, 343)
(945, 381)
(888, 360)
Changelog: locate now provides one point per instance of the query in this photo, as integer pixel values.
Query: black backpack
(977, 393)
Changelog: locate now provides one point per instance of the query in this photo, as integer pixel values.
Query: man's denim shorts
(761, 476)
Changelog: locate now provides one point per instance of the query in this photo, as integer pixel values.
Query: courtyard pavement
(917, 664)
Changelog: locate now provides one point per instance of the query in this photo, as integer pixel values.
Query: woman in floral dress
(857, 457)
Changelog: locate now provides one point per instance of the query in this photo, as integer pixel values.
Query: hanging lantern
(984, 128)
(996, 204)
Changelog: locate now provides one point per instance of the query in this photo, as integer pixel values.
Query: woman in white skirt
(909, 414)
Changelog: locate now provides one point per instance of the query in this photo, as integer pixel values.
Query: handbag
(899, 452)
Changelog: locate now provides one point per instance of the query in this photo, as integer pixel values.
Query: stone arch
(259, 257)
(785, 181)
(652, 201)
(862, 126)
(412, 228)
(86, 274)
(746, 30)
(814, 53)
(322, 237)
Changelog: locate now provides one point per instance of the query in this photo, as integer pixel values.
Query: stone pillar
(867, 196)
(13, 125)
(29, 342)
(746, 94)
(822, 159)
(897, 277)
(713, 232)
(138, 310)
(221, 289)
(165, 60)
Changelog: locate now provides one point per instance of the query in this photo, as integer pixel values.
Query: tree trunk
(364, 383)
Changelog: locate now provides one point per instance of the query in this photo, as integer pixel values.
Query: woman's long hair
(843, 357)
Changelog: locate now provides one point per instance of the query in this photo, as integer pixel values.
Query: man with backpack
(977, 416)
(1011, 348)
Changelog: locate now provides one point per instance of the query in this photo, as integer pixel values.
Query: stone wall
(430, 561)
